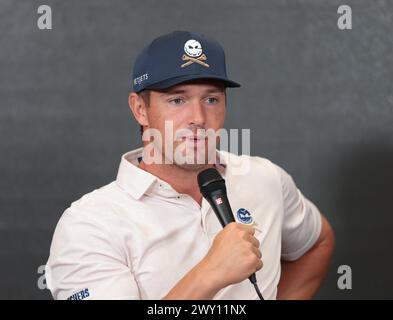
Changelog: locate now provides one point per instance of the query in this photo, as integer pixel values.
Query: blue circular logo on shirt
(244, 216)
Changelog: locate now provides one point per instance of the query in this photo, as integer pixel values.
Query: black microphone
(213, 189)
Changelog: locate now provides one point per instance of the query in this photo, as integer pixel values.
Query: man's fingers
(246, 228)
(254, 241)
(257, 252)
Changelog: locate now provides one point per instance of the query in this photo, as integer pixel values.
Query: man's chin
(193, 166)
(194, 160)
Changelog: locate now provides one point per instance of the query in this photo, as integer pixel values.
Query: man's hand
(233, 257)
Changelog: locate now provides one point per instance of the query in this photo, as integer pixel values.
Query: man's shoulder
(92, 222)
(103, 203)
(248, 165)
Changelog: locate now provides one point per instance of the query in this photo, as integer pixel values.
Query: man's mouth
(193, 138)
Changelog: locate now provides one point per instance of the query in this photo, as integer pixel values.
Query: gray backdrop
(318, 101)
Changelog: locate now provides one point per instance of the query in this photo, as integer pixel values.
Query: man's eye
(176, 101)
(212, 100)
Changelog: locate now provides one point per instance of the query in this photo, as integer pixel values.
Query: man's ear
(138, 108)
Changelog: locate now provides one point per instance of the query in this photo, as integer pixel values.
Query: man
(151, 235)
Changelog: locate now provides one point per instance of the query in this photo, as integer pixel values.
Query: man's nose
(198, 116)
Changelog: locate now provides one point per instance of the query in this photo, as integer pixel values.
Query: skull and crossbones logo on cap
(193, 50)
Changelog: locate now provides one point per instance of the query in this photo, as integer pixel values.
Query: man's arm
(302, 278)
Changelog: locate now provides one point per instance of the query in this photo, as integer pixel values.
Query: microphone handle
(219, 201)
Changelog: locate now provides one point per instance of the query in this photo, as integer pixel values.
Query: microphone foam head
(208, 176)
(210, 179)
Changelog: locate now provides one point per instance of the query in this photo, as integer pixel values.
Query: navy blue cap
(178, 57)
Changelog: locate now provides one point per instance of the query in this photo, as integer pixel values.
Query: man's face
(193, 109)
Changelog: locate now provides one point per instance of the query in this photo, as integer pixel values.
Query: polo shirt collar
(137, 181)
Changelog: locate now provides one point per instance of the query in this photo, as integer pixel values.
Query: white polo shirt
(136, 237)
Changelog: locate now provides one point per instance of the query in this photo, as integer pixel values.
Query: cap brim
(177, 80)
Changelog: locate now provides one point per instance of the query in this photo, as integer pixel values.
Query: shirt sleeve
(86, 263)
(301, 222)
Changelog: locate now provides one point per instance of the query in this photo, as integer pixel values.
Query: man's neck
(182, 180)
